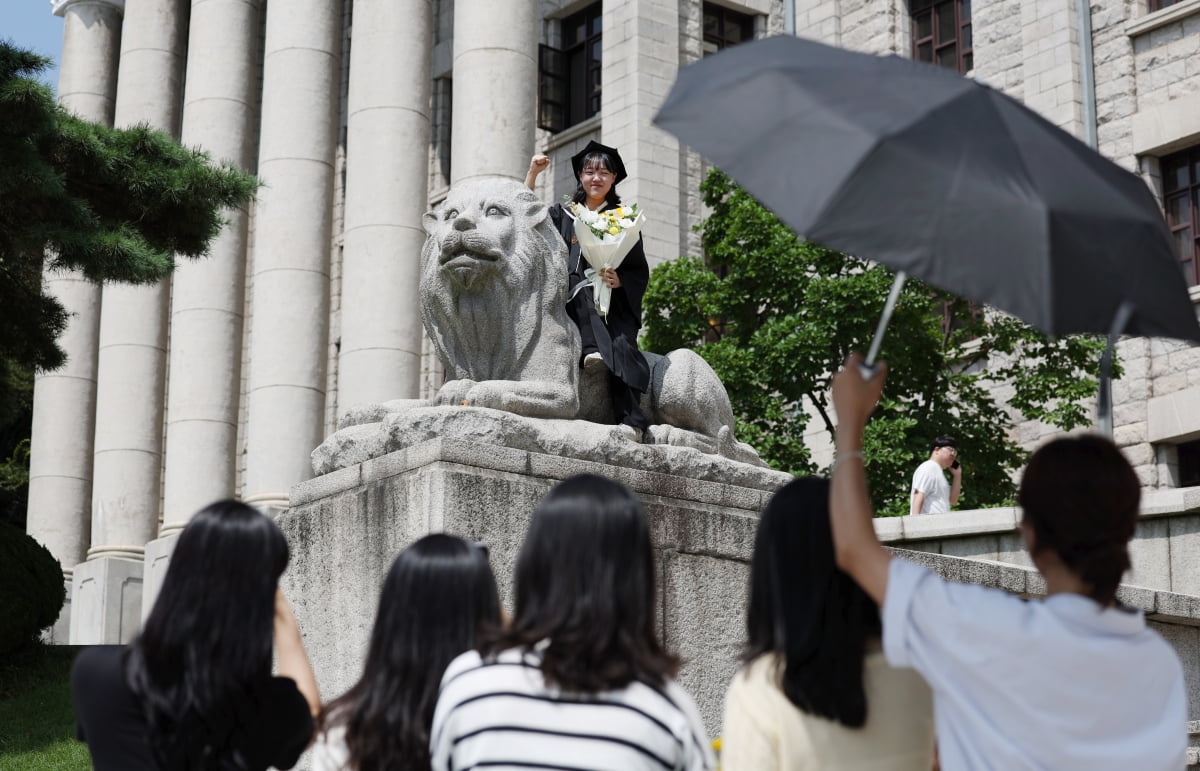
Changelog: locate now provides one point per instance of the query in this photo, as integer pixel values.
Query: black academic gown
(614, 338)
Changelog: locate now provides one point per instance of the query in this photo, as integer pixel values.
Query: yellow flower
(614, 230)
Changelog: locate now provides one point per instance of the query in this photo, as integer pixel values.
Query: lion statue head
(494, 282)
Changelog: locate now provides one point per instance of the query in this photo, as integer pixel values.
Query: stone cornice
(59, 7)
(1161, 18)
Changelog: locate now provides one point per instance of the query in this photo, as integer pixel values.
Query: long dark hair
(601, 160)
(438, 596)
(584, 581)
(202, 663)
(806, 610)
(1081, 498)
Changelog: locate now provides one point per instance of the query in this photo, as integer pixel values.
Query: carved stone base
(106, 601)
(344, 528)
(673, 450)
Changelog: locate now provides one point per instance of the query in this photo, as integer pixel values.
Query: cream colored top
(764, 731)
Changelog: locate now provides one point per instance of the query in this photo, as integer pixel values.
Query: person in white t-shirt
(1076, 680)
(931, 493)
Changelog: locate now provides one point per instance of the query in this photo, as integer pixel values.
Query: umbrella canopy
(937, 175)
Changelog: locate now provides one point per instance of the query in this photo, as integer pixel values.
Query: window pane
(712, 24)
(924, 25)
(965, 15)
(596, 48)
(1179, 210)
(948, 57)
(1189, 272)
(946, 28)
(966, 37)
(968, 62)
(1175, 172)
(1188, 455)
(1183, 243)
(597, 24)
(919, 5)
(1195, 167)
(733, 33)
(576, 32)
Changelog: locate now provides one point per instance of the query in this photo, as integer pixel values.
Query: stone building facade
(359, 114)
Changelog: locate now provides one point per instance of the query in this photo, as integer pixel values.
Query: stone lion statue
(493, 301)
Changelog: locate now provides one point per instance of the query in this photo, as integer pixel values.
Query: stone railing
(1165, 550)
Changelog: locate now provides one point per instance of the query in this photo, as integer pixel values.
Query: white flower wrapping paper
(603, 253)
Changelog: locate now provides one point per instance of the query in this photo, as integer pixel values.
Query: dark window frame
(934, 45)
(1181, 204)
(569, 77)
(723, 27)
(1187, 454)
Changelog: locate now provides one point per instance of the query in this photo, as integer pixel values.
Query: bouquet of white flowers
(605, 238)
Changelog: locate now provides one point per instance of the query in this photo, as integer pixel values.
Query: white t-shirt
(1059, 683)
(499, 713)
(329, 751)
(930, 479)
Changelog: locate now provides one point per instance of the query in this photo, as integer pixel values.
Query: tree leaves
(115, 204)
(775, 315)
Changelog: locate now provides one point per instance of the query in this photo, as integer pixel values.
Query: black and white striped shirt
(499, 714)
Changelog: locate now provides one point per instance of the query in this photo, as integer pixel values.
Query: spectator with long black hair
(815, 691)
(438, 596)
(194, 690)
(1076, 680)
(579, 678)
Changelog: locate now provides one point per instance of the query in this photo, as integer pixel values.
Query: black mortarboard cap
(617, 168)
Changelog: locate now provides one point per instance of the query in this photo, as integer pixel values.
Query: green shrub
(31, 588)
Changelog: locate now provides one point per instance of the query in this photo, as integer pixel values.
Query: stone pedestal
(346, 527)
(106, 601)
(59, 633)
(158, 557)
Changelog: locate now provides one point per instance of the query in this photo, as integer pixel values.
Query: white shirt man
(931, 493)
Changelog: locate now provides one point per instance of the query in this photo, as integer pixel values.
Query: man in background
(931, 493)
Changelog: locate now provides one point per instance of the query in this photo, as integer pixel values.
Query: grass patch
(37, 725)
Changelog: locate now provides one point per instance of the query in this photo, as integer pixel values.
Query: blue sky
(30, 24)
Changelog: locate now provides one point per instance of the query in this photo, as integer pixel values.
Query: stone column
(495, 88)
(637, 72)
(292, 232)
(219, 107)
(131, 362)
(387, 173)
(64, 401)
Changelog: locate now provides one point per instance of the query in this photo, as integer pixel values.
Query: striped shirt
(500, 714)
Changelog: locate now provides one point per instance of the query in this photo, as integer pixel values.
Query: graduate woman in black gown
(611, 341)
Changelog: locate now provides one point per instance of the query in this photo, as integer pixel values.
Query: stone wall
(1165, 549)
(345, 528)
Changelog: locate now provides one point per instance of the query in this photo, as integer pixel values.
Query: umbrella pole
(868, 367)
(1104, 418)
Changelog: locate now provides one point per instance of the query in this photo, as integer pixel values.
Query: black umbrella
(937, 175)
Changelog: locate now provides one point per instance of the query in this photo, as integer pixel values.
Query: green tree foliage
(16, 415)
(31, 588)
(113, 204)
(775, 315)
